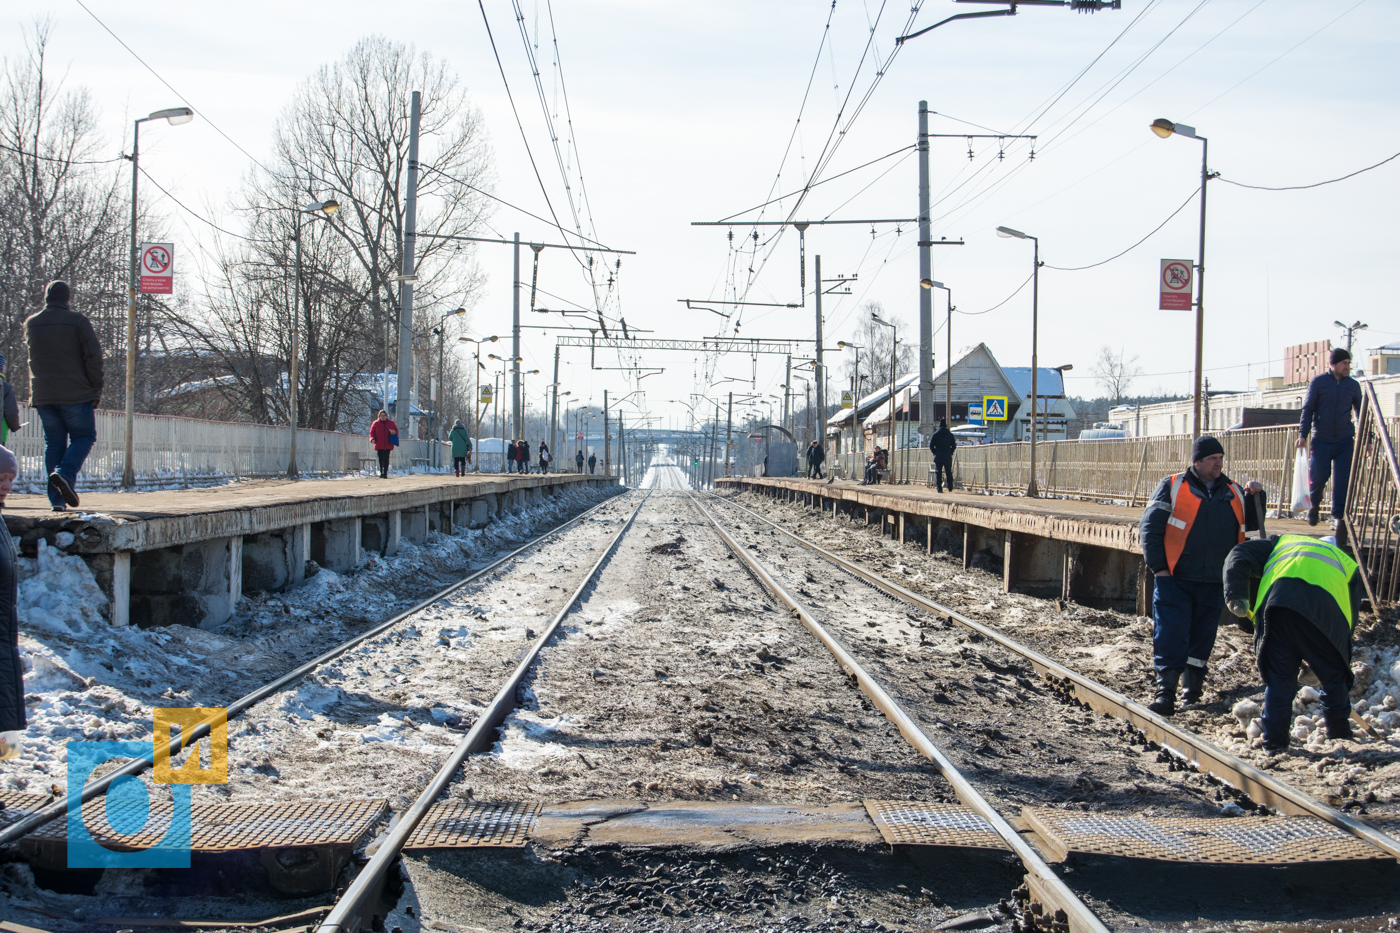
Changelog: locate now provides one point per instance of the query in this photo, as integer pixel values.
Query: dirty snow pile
(88, 680)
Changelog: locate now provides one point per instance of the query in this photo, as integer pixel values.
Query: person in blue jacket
(1332, 397)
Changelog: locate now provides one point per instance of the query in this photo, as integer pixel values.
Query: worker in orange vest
(1189, 527)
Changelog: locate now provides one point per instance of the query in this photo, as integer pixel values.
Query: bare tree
(1116, 373)
(60, 210)
(874, 341)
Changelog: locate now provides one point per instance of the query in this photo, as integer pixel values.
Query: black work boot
(1164, 703)
(1193, 681)
(1338, 723)
(1313, 514)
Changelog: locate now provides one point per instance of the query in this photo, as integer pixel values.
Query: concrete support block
(1008, 561)
(375, 534)
(335, 544)
(121, 588)
(272, 562)
(414, 525)
(235, 572)
(1146, 583)
(967, 546)
(480, 512)
(928, 538)
(299, 552)
(901, 527)
(1035, 564)
(187, 585)
(395, 532)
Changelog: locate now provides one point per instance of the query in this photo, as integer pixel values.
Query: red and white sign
(578, 437)
(156, 265)
(1177, 275)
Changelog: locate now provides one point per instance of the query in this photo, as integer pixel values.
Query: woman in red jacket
(384, 434)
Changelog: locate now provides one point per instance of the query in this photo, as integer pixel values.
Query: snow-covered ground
(86, 679)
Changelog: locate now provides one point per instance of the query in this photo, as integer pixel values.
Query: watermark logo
(158, 833)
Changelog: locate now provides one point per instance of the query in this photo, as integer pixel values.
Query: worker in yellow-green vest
(1305, 608)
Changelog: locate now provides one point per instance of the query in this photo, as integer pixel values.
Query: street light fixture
(326, 209)
(1165, 128)
(1350, 330)
(476, 380)
(175, 116)
(1032, 489)
(436, 426)
(894, 351)
(948, 363)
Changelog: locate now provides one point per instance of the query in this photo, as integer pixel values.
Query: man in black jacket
(1332, 397)
(1305, 610)
(65, 383)
(942, 445)
(1188, 528)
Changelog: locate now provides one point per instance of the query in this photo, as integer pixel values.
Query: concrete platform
(186, 556)
(1086, 551)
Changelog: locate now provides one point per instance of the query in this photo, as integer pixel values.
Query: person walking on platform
(461, 447)
(818, 460)
(65, 384)
(1332, 397)
(578, 459)
(545, 457)
(384, 435)
(1305, 610)
(1188, 528)
(12, 716)
(942, 445)
(10, 421)
(524, 456)
(592, 462)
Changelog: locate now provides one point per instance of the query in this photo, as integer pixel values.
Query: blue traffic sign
(994, 408)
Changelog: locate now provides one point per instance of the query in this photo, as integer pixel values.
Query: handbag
(393, 440)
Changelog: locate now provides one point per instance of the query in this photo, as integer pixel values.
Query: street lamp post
(327, 209)
(1165, 128)
(894, 350)
(436, 423)
(948, 363)
(1350, 330)
(1061, 370)
(174, 116)
(476, 386)
(1032, 489)
(855, 394)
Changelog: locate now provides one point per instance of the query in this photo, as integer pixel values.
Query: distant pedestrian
(942, 445)
(1332, 397)
(578, 459)
(819, 459)
(65, 384)
(545, 457)
(12, 718)
(765, 464)
(384, 435)
(10, 421)
(592, 462)
(524, 456)
(461, 447)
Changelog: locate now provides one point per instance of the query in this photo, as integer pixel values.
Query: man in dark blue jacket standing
(1190, 525)
(1332, 397)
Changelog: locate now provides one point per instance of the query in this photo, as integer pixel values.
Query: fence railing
(1373, 502)
(1124, 470)
(173, 451)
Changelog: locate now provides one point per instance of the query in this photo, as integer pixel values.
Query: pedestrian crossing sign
(994, 408)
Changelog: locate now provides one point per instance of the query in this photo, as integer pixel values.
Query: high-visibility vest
(1184, 509)
(1303, 558)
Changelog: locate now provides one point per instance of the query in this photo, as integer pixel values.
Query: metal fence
(171, 451)
(1124, 470)
(1373, 502)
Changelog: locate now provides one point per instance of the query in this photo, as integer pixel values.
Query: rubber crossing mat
(457, 824)
(129, 824)
(1249, 840)
(15, 805)
(916, 823)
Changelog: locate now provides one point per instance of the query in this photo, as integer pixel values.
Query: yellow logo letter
(188, 720)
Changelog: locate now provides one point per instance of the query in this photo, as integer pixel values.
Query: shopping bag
(393, 440)
(1302, 499)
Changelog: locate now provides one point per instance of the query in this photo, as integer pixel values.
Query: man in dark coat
(65, 384)
(592, 462)
(524, 456)
(1305, 610)
(1189, 526)
(578, 461)
(12, 716)
(1332, 397)
(818, 459)
(942, 445)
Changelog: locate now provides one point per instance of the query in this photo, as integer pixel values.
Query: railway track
(97, 787)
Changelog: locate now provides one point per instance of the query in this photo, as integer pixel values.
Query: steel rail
(1196, 751)
(16, 831)
(1048, 888)
(346, 917)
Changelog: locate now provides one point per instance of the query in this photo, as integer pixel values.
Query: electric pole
(404, 407)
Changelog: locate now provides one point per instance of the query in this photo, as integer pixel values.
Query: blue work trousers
(1290, 639)
(69, 433)
(1334, 458)
(1185, 616)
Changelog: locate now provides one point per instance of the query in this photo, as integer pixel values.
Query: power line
(999, 303)
(203, 116)
(1317, 184)
(781, 197)
(1189, 199)
(544, 220)
(44, 158)
(193, 213)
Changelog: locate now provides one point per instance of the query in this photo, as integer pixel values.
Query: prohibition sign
(156, 260)
(1176, 276)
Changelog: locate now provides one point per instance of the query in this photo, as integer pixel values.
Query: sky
(683, 113)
